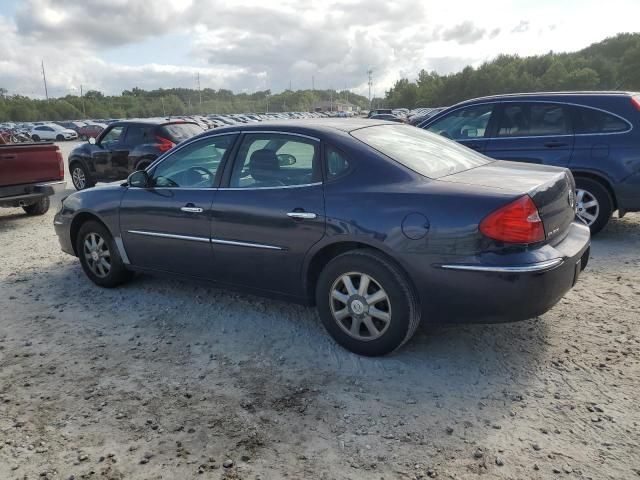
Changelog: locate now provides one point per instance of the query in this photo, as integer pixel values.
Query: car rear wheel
(99, 256)
(39, 208)
(35, 138)
(80, 177)
(366, 303)
(84, 138)
(594, 205)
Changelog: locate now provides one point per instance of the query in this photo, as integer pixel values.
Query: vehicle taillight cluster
(164, 144)
(516, 222)
(60, 163)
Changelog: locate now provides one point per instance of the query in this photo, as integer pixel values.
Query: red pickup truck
(29, 174)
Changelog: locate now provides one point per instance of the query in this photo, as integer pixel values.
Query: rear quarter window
(178, 132)
(423, 152)
(589, 120)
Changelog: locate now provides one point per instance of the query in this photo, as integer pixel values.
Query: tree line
(613, 64)
(137, 103)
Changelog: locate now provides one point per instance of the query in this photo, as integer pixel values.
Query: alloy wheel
(587, 207)
(78, 177)
(360, 306)
(97, 254)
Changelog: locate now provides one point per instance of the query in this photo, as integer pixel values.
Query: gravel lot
(163, 378)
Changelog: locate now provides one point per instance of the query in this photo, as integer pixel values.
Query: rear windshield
(423, 152)
(177, 132)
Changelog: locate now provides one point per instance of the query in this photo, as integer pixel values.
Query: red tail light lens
(60, 163)
(636, 102)
(517, 222)
(164, 144)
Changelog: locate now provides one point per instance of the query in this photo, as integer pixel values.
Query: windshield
(178, 132)
(425, 153)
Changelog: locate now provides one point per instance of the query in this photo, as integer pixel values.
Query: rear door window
(589, 120)
(138, 135)
(533, 120)
(178, 132)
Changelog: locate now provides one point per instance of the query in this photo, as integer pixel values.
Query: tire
(59, 138)
(80, 177)
(35, 138)
(595, 215)
(104, 269)
(39, 208)
(400, 305)
(83, 138)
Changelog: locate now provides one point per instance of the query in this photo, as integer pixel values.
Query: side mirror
(138, 179)
(92, 140)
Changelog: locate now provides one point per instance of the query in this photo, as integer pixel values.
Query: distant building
(334, 106)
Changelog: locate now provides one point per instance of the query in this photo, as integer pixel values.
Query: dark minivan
(591, 133)
(124, 147)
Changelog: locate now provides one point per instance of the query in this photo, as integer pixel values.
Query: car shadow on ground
(475, 361)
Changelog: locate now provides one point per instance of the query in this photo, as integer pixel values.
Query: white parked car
(51, 131)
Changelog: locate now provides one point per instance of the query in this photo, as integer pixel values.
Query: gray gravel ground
(164, 378)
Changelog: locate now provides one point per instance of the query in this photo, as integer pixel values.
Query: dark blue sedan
(379, 225)
(595, 134)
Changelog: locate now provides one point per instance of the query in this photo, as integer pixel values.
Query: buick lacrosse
(377, 224)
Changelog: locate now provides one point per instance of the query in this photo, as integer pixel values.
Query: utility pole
(164, 113)
(313, 83)
(84, 112)
(44, 77)
(370, 73)
(199, 92)
(290, 86)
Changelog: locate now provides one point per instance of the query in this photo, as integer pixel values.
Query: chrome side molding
(529, 268)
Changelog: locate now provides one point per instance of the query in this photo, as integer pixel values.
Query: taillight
(164, 144)
(517, 222)
(60, 164)
(635, 101)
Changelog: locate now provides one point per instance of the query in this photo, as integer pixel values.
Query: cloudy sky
(111, 45)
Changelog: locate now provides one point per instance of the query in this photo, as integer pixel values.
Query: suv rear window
(589, 120)
(177, 132)
(423, 152)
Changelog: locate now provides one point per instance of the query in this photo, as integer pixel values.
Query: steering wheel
(202, 172)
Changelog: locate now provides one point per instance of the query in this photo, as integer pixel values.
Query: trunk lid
(552, 189)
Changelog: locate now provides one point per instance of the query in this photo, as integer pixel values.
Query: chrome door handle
(192, 209)
(302, 215)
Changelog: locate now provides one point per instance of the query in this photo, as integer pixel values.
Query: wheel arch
(77, 222)
(317, 260)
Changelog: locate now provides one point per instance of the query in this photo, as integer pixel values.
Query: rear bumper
(18, 195)
(493, 293)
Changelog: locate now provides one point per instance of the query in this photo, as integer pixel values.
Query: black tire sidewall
(605, 202)
(399, 296)
(118, 273)
(87, 181)
(35, 138)
(39, 208)
(59, 138)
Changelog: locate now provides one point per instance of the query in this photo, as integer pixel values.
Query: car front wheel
(99, 256)
(366, 303)
(80, 177)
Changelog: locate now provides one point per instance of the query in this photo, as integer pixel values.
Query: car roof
(306, 125)
(151, 121)
(566, 94)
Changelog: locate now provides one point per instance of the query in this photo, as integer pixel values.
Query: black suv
(594, 134)
(124, 147)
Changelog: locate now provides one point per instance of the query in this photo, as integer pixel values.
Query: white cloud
(258, 44)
